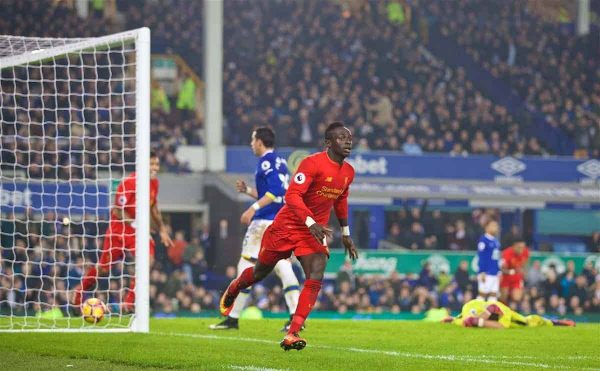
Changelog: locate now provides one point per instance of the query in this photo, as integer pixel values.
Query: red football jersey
(318, 185)
(512, 260)
(125, 196)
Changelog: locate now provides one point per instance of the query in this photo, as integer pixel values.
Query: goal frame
(141, 38)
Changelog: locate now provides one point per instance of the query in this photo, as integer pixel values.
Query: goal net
(74, 122)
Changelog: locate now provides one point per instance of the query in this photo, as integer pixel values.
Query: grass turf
(332, 345)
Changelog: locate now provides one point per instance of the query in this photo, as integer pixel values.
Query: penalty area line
(490, 360)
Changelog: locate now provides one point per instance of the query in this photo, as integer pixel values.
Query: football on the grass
(93, 310)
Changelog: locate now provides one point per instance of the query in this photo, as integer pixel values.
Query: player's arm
(340, 207)
(294, 198)
(524, 262)
(119, 213)
(156, 216)
(481, 322)
(242, 187)
(276, 189)
(481, 246)
(125, 193)
(504, 264)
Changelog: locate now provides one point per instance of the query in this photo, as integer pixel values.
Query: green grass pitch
(332, 345)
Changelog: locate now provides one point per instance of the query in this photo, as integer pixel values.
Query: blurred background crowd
(299, 65)
(49, 259)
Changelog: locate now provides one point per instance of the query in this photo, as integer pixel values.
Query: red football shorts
(275, 247)
(115, 244)
(511, 282)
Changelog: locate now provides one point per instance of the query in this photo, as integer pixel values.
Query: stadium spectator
(594, 243)
(549, 66)
(427, 278)
(411, 93)
(551, 285)
(534, 275)
(175, 252)
(461, 276)
(172, 290)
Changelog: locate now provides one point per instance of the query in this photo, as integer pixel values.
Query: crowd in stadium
(533, 48)
(42, 128)
(49, 258)
(372, 73)
(417, 228)
(363, 66)
(546, 292)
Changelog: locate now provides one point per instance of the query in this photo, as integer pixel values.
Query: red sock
(89, 279)
(130, 298)
(245, 280)
(308, 298)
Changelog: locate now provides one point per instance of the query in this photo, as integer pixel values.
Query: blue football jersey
(271, 177)
(488, 251)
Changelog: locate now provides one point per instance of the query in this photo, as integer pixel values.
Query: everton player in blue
(271, 183)
(488, 251)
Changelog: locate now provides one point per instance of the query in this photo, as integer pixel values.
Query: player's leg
(534, 320)
(111, 251)
(314, 269)
(291, 287)
(250, 250)
(248, 278)
(268, 256)
(516, 292)
(231, 322)
(244, 295)
(504, 293)
(129, 302)
(492, 288)
(481, 286)
(561, 322)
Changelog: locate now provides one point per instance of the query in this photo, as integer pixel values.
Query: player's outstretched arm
(162, 228)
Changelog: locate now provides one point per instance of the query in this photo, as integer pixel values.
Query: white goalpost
(74, 122)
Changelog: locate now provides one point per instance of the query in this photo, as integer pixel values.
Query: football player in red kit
(514, 260)
(321, 182)
(120, 235)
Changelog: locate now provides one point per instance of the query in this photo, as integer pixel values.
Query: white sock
(242, 300)
(240, 304)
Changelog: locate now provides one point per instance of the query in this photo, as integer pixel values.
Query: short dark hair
(331, 127)
(153, 154)
(266, 135)
(518, 238)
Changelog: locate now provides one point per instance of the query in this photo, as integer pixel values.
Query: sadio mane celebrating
(321, 182)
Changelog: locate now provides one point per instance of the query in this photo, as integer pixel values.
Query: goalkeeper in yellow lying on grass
(480, 313)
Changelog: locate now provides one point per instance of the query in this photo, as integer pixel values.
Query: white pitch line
(254, 368)
(486, 359)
